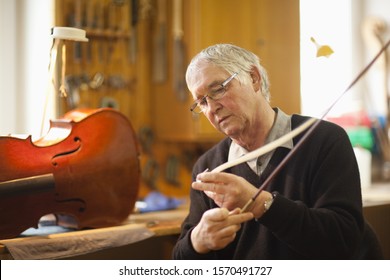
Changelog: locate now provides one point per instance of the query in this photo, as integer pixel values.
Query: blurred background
(138, 50)
(135, 61)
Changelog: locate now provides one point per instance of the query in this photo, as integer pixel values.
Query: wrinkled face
(236, 112)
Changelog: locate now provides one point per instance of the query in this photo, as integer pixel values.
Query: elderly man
(311, 210)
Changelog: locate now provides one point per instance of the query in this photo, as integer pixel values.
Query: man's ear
(256, 78)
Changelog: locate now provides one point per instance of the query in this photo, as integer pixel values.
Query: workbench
(142, 236)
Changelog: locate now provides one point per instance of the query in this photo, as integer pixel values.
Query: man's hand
(217, 229)
(230, 191)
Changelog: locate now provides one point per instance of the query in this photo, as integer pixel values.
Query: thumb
(217, 214)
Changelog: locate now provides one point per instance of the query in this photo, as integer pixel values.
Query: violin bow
(311, 122)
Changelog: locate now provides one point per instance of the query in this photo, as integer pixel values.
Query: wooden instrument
(86, 167)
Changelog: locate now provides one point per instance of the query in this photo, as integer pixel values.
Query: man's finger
(211, 187)
(216, 214)
(240, 218)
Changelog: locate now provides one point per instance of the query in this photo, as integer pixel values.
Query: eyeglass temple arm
(228, 80)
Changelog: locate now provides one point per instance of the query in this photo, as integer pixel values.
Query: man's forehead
(205, 76)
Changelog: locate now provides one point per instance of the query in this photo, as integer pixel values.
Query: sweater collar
(281, 126)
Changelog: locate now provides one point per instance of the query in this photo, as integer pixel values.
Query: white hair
(232, 59)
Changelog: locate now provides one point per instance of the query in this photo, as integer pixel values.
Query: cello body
(95, 171)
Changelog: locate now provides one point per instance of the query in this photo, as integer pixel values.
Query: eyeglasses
(201, 105)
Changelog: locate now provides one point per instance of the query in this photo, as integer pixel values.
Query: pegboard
(101, 72)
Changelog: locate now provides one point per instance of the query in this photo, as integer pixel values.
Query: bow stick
(266, 148)
(273, 145)
(310, 131)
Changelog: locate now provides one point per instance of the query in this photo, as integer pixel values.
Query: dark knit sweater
(317, 210)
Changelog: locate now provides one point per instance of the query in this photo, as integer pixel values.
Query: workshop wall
(135, 61)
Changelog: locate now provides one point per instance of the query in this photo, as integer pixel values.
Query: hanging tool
(179, 85)
(172, 170)
(100, 30)
(160, 44)
(151, 169)
(78, 24)
(133, 12)
(90, 25)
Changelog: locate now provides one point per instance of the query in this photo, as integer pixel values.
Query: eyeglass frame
(199, 101)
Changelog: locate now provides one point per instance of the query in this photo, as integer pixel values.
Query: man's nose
(213, 105)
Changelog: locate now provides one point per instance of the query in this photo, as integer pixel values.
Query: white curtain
(24, 56)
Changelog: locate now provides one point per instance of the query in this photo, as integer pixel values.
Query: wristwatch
(268, 202)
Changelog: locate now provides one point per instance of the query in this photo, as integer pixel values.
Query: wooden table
(148, 236)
